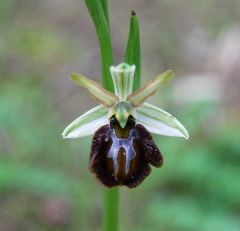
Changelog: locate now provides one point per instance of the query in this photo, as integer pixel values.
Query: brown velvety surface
(146, 153)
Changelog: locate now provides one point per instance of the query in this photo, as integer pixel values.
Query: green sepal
(122, 76)
(87, 123)
(160, 122)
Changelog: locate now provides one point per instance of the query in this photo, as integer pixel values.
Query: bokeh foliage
(197, 188)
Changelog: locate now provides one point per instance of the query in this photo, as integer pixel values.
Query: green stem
(98, 10)
(99, 13)
(111, 204)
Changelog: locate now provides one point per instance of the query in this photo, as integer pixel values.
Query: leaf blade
(98, 13)
(133, 50)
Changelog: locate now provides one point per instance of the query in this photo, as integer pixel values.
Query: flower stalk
(100, 16)
(98, 10)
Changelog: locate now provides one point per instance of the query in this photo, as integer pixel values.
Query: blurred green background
(44, 180)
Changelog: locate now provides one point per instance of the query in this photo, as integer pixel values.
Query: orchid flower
(122, 147)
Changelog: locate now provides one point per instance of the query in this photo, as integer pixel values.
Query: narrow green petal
(87, 123)
(100, 94)
(160, 122)
(138, 97)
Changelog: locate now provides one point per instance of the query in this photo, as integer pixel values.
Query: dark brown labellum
(123, 156)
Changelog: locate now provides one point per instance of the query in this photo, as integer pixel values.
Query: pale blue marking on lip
(127, 144)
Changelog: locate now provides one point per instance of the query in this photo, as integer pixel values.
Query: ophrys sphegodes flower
(122, 147)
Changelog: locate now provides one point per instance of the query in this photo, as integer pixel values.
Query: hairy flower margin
(121, 124)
